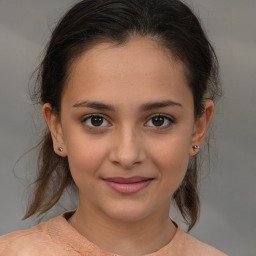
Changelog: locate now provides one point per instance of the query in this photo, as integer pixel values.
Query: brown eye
(158, 120)
(95, 121)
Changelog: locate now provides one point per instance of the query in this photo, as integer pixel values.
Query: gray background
(228, 217)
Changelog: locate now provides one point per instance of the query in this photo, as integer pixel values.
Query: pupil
(158, 120)
(97, 120)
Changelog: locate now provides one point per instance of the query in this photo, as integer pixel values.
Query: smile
(128, 185)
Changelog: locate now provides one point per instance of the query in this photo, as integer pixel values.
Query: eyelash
(88, 117)
(169, 119)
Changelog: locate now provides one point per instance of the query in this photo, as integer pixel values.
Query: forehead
(140, 67)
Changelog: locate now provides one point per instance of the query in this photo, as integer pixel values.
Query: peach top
(58, 238)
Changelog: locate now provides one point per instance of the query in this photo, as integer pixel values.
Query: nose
(127, 150)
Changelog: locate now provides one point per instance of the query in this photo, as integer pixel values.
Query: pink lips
(128, 185)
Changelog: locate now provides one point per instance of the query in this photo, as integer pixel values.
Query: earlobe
(201, 126)
(54, 125)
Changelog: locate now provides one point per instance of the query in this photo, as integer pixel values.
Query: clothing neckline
(66, 235)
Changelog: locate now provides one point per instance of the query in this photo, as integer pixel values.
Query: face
(127, 127)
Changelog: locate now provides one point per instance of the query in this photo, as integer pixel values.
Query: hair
(90, 22)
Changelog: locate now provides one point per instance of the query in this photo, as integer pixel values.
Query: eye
(95, 121)
(160, 121)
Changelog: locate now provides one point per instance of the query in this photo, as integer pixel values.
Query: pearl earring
(196, 148)
(60, 149)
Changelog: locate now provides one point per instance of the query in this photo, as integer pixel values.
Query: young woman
(127, 89)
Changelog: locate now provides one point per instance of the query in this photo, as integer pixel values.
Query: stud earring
(196, 148)
(60, 149)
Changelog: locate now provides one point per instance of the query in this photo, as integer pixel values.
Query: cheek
(171, 158)
(85, 157)
(174, 161)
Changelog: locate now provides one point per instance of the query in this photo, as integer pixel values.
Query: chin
(128, 213)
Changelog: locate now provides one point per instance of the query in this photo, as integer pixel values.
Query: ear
(54, 125)
(201, 126)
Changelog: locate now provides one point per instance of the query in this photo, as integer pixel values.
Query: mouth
(128, 185)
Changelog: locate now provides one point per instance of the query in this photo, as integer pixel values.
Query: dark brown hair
(173, 25)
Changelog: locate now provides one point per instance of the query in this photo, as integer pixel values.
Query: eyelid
(86, 117)
(168, 117)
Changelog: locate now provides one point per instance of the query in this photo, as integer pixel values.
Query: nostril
(126, 164)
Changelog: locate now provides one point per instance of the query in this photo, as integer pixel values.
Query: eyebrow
(94, 105)
(144, 107)
(161, 104)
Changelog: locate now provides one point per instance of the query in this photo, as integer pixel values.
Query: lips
(128, 185)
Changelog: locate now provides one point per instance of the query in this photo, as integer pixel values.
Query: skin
(128, 142)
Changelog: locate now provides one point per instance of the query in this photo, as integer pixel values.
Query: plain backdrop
(228, 216)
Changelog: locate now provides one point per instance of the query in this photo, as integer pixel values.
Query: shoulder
(28, 242)
(193, 247)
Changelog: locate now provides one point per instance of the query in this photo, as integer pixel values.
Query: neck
(124, 237)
